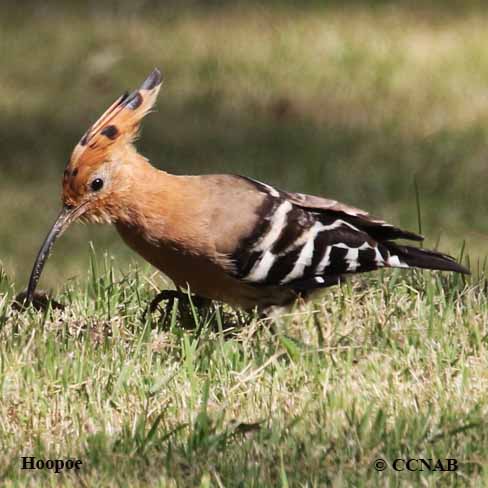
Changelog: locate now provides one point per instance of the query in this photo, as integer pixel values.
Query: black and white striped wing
(304, 247)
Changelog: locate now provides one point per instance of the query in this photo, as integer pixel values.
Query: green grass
(392, 366)
(379, 104)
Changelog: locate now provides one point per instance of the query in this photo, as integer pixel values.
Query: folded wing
(305, 242)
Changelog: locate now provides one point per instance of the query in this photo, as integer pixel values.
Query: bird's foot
(194, 311)
(188, 306)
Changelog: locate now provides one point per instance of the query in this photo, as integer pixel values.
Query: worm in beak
(65, 218)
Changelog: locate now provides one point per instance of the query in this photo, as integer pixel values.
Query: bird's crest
(118, 124)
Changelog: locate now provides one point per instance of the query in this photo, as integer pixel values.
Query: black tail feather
(381, 231)
(417, 257)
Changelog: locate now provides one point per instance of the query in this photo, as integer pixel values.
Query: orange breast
(204, 277)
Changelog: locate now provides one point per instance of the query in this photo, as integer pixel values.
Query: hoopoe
(226, 237)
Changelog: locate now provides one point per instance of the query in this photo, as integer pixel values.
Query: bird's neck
(153, 203)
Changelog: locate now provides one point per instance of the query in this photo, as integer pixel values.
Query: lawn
(396, 369)
(373, 103)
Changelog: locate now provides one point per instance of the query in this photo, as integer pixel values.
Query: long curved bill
(65, 218)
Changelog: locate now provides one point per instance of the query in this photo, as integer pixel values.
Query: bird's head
(94, 172)
(90, 176)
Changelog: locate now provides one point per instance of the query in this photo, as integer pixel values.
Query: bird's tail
(416, 257)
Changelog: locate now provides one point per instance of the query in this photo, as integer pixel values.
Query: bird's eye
(97, 184)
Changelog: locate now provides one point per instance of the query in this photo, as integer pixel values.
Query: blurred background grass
(352, 100)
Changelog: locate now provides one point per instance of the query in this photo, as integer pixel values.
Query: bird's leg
(184, 300)
(194, 310)
(169, 295)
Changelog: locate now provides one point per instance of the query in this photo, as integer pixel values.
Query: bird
(223, 237)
